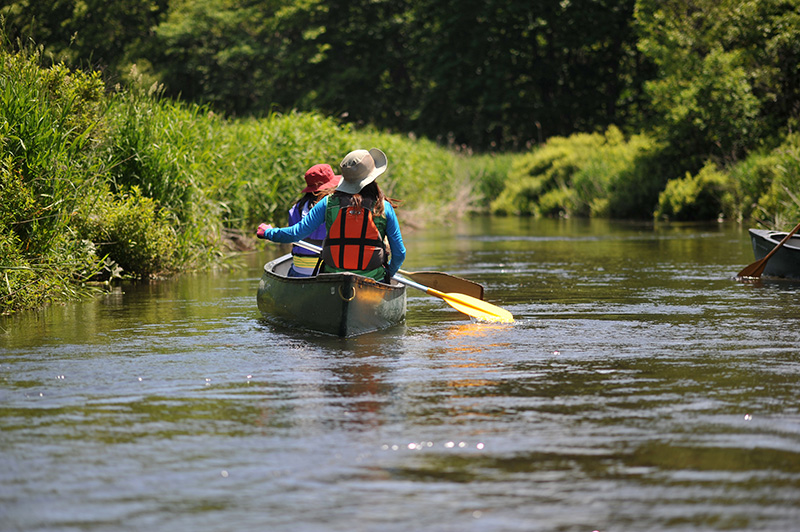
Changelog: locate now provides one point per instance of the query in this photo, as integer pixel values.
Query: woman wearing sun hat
(320, 181)
(357, 217)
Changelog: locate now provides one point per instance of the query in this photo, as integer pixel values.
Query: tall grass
(50, 122)
(101, 184)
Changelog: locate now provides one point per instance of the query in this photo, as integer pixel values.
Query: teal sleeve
(395, 240)
(301, 229)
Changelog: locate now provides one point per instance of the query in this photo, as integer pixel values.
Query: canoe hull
(786, 261)
(340, 304)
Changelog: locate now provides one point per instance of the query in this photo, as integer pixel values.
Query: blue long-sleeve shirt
(316, 216)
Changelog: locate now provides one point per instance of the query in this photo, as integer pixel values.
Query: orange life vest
(354, 242)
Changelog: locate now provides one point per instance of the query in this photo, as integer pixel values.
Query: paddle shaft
(468, 305)
(757, 268)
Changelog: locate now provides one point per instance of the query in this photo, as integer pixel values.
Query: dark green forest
(142, 137)
(714, 77)
(488, 74)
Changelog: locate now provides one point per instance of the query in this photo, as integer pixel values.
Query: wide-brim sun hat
(320, 176)
(360, 168)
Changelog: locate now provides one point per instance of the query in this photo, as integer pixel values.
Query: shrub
(48, 133)
(751, 178)
(606, 175)
(50, 125)
(536, 173)
(780, 203)
(705, 196)
(129, 231)
(617, 179)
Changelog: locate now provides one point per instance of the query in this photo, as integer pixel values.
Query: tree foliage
(728, 73)
(711, 77)
(97, 33)
(488, 74)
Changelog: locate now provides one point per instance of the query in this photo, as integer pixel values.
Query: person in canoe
(358, 219)
(320, 182)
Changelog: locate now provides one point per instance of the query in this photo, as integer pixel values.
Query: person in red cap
(321, 182)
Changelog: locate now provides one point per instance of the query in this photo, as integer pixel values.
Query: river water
(641, 389)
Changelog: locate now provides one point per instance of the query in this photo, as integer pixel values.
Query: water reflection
(642, 388)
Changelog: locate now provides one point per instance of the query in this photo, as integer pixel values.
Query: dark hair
(313, 197)
(373, 192)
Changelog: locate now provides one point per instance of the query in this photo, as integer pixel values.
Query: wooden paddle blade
(754, 270)
(444, 282)
(476, 308)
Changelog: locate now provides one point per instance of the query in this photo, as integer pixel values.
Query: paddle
(446, 282)
(437, 280)
(466, 304)
(463, 303)
(757, 268)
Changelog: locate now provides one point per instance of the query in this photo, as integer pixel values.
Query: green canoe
(341, 304)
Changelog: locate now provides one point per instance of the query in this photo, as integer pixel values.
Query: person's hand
(262, 229)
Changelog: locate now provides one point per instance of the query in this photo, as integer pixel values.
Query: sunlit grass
(100, 184)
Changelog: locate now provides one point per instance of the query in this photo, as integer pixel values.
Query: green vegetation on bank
(208, 113)
(96, 185)
(611, 176)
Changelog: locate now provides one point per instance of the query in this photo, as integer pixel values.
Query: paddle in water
(470, 306)
(757, 268)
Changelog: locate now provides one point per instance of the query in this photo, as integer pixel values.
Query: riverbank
(99, 184)
(102, 183)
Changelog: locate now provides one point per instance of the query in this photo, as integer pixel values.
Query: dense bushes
(704, 196)
(129, 229)
(95, 185)
(50, 128)
(585, 175)
(610, 176)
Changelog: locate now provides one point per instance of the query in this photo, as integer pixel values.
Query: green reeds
(99, 184)
(48, 125)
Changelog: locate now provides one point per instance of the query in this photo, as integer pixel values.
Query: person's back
(356, 228)
(320, 181)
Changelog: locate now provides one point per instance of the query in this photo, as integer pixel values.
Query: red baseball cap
(321, 176)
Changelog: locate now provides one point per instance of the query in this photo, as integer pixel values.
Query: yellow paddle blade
(476, 308)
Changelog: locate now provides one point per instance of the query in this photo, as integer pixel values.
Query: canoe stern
(341, 304)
